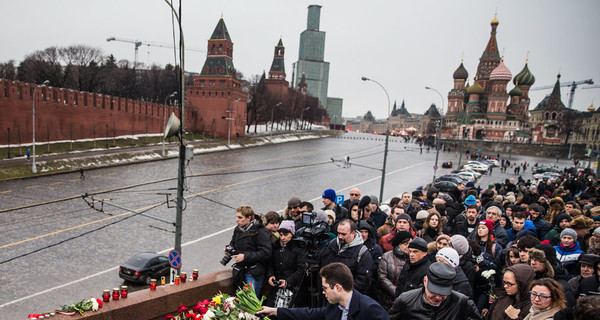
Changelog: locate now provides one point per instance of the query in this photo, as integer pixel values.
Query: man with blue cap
(329, 202)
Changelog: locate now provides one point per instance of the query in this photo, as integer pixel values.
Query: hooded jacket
(348, 254)
(371, 244)
(554, 234)
(513, 236)
(568, 256)
(524, 274)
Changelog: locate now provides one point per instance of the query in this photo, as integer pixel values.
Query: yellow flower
(217, 299)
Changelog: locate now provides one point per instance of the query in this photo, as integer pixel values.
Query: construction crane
(572, 84)
(138, 44)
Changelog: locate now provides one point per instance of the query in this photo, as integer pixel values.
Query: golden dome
(495, 20)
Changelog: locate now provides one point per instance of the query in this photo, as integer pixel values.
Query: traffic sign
(339, 199)
(435, 168)
(174, 259)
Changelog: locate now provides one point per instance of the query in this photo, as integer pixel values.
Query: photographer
(251, 249)
(285, 268)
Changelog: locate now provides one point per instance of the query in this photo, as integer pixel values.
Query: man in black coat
(349, 249)
(329, 202)
(342, 301)
(415, 270)
(435, 300)
(252, 242)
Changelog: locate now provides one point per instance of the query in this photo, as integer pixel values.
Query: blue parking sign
(339, 199)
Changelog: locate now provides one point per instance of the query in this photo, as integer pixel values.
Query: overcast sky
(404, 45)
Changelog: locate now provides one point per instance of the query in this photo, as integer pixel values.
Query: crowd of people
(514, 250)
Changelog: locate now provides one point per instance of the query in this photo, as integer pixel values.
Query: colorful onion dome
(501, 72)
(495, 20)
(516, 92)
(525, 77)
(476, 88)
(460, 73)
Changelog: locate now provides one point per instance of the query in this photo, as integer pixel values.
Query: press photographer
(250, 247)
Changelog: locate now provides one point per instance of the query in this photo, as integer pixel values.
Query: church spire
(277, 70)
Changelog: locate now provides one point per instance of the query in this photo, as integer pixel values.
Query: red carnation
(100, 303)
(169, 317)
(182, 308)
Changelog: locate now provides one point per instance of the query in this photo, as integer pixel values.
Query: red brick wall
(64, 114)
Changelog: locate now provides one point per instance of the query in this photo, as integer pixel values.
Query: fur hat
(460, 244)
(549, 251)
(365, 201)
(294, 202)
(582, 222)
(401, 236)
(450, 255)
(329, 194)
(422, 214)
(540, 255)
(595, 209)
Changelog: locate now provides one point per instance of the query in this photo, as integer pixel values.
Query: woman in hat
(512, 300)
(286, 267)
(547, 298)
(488, 254)
(432, 227)
(568, 251)
(594, 242)
(390, 267)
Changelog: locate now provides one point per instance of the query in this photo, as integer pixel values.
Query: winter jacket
(411, 305)
(379, 217)
(340, 213)
(349, 255)
(541, 227)
(568, 256)
(410, 210)
(386, 242)
(386, 228)
(513, 235)
(429, 235)
(255, 244)
(361, 307)
(461, 225)
(461, 283)
(524, 274)
(287, 263)
(390, 268)
(412, 275)
(371, 245)
(500, 234)
(553, 236)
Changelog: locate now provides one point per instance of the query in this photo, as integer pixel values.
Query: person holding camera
(285, 268)
(250, 247)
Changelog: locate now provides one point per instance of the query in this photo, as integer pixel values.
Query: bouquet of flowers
(489, 275)
(92, 304)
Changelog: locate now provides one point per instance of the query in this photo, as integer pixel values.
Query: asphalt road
(58, 248)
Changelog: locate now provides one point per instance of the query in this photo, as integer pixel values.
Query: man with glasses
(493, 214)
(342, 301)
(354, 195)
(292, 212)
(435, 299)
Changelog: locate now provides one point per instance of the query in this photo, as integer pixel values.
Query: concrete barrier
(154, 305)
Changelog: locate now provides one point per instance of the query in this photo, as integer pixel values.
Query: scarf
(537, 314)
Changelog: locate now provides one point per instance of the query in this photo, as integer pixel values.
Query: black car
(455, 180)
(447, 164)
(445, 186)
(145, 266)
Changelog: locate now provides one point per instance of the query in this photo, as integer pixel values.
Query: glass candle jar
(162, 281)
(115, 294)
(176, 279)
(195, 274)
(152, 284)
(106, 295)
(124, 291)
(183, 277)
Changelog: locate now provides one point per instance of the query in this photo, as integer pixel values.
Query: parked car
(492, 162)
(542, 169)
(549, 175)
(447, 164)
(145, 266)
(467, 175)
(476, 167)
(455, 180)
(475, 173)
(445, 186)
(481, 163)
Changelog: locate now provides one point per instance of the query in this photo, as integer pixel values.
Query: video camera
(309, 236)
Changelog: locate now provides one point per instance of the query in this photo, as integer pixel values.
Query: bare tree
(8, 70)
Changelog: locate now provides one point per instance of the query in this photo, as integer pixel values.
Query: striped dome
(525, 77)
(475, 88)
(501, 73)
(516, 92)
(460, 73)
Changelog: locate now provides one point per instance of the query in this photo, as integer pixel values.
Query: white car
(476, 167)
(467, 175)
(475, 173)
(479, 163)
(550, 175)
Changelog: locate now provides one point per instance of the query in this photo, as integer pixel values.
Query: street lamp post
(229, 119)
(387, 137)
(106, 139)
(272, 112)
(172, 95)
(570, 145)
(437, 134)
(462, 144)
(8, 129)
(512, 140)
(33, 167)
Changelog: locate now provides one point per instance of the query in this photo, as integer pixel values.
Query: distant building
(217, 96)
(312, 66)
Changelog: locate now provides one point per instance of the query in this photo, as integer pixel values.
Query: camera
(278, 283)
(308, 217)
(309, 236)
(229, 251)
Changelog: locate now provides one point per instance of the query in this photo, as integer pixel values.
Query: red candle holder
(124, 291)
(115, 294)
(106, 295)
(183, 277)
(195, 274)
(176, 279)
(152, 284)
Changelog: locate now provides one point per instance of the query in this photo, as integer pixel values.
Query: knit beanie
(422, 214)
(400, 236)
(419, 244)
(364, 202)
(489, 224)
(450, 255)
(403, 216)
(329, 194)
(569, 232)
(461, 244)
(288, 225)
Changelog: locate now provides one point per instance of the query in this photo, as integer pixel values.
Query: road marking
(96, 176)
(55, 183)
(31, 187)
(183, 245)
(111, 174)
(73, 180)
(6, 191)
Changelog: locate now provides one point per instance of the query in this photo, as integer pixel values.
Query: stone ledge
(154, 305)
